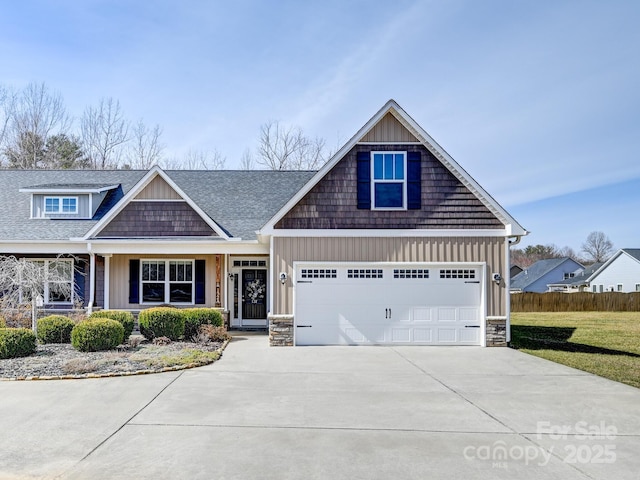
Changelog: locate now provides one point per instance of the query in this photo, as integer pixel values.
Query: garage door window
(457, 273)
(364, 273)
(318, 273)
(410, 273)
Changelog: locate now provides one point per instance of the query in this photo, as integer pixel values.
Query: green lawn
(604, 343)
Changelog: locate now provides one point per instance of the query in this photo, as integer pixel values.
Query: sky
(538, 100)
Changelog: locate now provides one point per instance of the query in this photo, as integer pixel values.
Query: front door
(254, 296)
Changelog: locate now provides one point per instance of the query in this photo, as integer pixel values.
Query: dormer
(73, 201)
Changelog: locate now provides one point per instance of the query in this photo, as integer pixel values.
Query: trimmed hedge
(124, 317)
(195, 317)
(17, 342)
(97, 334)
(55, 329)
(161, 322)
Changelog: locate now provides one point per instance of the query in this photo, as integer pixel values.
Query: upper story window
(57, 205)
(389, 180)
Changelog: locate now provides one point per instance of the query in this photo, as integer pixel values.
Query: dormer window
(61, 205)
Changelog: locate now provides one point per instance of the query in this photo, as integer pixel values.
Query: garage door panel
(388, 309)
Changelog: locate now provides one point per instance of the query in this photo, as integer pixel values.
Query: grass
(604, 343)
(187, 356)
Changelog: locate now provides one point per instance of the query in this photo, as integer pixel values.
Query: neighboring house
(514, 270)
(536, 277)
(621, 273)
(577, 283)
(391, 242)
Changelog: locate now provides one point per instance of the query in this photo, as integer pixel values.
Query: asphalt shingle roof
(634, 252)
(240, 202)
(535, 272)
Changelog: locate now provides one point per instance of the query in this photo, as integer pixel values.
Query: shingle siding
(446, 202)
(157, 219)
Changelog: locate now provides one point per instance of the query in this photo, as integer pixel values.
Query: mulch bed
(56, 361)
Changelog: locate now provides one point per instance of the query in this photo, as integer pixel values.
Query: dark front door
(254, 294)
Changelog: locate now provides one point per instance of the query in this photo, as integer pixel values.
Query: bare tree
(7, 99)
(597, 247)
(145, 149)
(23, 281)
(104, 130)
(247, 161)
(283, 148)
(34, 115)
(198, 160)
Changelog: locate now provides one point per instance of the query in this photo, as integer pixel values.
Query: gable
(389, 129)
(141, 219)
(445, 203)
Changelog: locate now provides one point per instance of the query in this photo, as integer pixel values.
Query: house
(621, 273)
(514, 270)
(577, 283)
(538, 276)
(390, 242)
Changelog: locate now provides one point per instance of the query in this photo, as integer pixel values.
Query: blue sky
(537, 100)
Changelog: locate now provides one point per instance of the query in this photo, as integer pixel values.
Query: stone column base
(496, 332)
(281, 330)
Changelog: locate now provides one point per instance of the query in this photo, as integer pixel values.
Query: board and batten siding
(490, 250)
(389, 129)
(158, 189)
(119, 279)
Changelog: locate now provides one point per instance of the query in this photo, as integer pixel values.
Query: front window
(53, 205)
(57, 278)
(388, 180)
(167, 281)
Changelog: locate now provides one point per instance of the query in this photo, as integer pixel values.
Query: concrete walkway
(328, 412)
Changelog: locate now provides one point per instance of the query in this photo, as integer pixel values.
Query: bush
(97, 334)
(161, 322)
(213, 334)
(3, 324)
(125, 318)
(55, 329)
(17, 342)
(195, 317)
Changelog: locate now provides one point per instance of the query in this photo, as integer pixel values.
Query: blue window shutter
(134, 281)
(414, 180)
(364, 180)
(78, 280)
(200, 282)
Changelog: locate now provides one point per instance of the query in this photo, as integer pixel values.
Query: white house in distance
(621, 273)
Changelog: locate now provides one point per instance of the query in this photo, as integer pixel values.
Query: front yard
(603, 343)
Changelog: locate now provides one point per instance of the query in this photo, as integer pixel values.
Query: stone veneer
(496, 332)
(281, 330)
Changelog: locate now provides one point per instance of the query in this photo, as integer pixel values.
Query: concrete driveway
(328, 412)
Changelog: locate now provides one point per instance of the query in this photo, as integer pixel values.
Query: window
(388, 180)
(569, 275)
(458, 273)
(167, 281)
(318, 273)
(58, 281)
(364, 273)
(410, 273)
(60, 205)
(637, 287)
(619, 287)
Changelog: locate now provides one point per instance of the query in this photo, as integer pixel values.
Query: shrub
(195, 317)
(97, 334)
(17, 342)
(3, 324)
(213, 334)
(55, 329)
(125, 318)
(161, 322)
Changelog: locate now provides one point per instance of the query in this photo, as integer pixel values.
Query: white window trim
(60, 201)
(375, 181)
(637, 287)
(45, 293)
(167, 281)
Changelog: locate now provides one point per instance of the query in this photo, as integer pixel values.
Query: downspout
(511, 241)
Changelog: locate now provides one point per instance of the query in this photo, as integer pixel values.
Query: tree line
(37, 132)
(596, 248)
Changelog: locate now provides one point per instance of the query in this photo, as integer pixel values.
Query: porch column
(92, 281)
(107, 259)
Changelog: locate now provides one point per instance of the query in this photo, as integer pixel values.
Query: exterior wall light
(283, 278)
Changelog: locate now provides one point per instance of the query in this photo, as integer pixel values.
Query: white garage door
(360, 304)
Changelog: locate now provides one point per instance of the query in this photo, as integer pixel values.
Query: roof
(511, 225)
(581, 278)
(240, 202)
(536, 271)
(632, 252)
(69, 187)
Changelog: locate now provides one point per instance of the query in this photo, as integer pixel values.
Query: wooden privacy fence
(575, 302)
